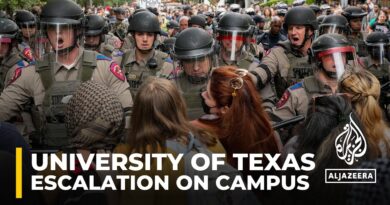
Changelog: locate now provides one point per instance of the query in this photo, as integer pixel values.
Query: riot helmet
(95, 29)
(316, 9)
(144, 23)
(197, 21)
(300, 16)
(333, 54)
(352, 12)
(8, 34)
(27, 23)
(194, 49)
(354, 16)
(334, 24)
(378, 46)
(62, 22)
(233, 29)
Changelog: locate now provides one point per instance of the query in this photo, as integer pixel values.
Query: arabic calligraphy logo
(350, 144)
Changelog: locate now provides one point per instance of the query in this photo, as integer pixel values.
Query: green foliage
(11, 5)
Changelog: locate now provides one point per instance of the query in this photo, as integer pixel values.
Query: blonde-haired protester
(159, 124)
(94, 122)
(364, 91)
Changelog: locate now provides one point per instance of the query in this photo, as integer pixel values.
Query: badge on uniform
(283, 99)
(27, 53)
(17, 74)
(117, 71)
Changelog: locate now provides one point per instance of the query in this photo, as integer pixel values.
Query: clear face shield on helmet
(332, 28)
(336, 61)
(40, 46)
(28, 30)
(379, 52)
(5, 45)
(195, 70)
(231, 44)
(62, 37)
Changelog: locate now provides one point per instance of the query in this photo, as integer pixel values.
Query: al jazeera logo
(350, 146)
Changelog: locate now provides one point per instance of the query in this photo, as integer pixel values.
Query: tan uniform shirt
(279, 60)
(8, 66)
(295, 100)
(137, 71)
(29, 85)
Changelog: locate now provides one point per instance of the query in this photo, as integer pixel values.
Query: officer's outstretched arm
(266, 70)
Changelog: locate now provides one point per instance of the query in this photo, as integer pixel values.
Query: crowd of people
(284, 79)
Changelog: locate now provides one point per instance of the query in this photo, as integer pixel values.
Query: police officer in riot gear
(128, 42)
(197, 21)
(97, 37)
(377, 62)
(354, 16)
(378, 47)
(332, 55)
(10, 59)
(52, 80)
(194, 53)
(233, 30)
(27, 23)
(288, 63)
(334, 24)
(144, 60)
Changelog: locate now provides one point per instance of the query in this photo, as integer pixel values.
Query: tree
(11, 5)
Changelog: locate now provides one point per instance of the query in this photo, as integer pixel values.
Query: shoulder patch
(103, 57)
(283, 99)
(27, 53)
(17, 74)
(117, 71)
(296, 86)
